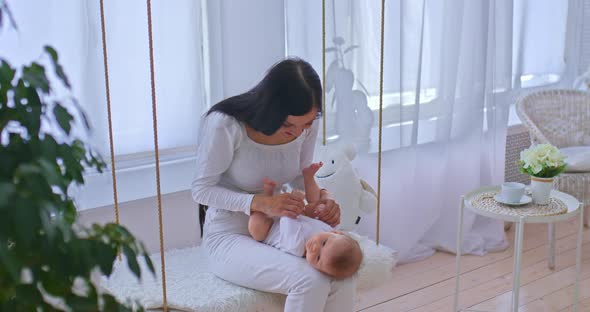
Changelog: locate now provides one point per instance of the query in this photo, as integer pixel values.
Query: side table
(478, 202)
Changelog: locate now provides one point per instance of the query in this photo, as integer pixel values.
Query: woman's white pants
(234, 256)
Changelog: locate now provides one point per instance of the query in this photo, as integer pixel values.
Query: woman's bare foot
(310, 171)
(259, 224)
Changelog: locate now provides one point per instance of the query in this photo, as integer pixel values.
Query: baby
(329, 251)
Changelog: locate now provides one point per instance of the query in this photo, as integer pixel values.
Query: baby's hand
(313, 210)
(299, 194)
(269, 186)
(312, 169)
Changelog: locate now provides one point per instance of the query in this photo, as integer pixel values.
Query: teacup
(512, 192)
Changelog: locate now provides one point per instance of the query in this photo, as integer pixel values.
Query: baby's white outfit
(289, 235)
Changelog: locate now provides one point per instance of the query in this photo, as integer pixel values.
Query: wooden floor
(486, 282)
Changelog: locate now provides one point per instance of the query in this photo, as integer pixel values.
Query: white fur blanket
(191, 287)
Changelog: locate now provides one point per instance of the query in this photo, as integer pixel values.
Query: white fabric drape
(448, 83)
(73, 28)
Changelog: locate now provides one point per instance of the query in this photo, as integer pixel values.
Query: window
(74, 29)
(434, 53)
(538, 42)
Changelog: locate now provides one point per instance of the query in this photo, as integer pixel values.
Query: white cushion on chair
(578, 158)
(191, 287)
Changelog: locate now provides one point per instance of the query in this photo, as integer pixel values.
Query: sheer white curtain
(449, 79)
(73, 27)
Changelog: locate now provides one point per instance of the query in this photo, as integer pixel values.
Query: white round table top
(573, 205)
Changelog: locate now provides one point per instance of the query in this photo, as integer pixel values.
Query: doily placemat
(486, 202)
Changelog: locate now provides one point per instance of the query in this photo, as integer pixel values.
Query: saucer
(523, 201)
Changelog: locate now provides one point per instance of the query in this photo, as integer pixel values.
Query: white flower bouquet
(542, 161)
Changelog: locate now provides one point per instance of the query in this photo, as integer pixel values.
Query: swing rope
(380, 102)
(380, 120)
(155, 126)
(324, 71)
(157, 154)
(155, 123)
(108, 95)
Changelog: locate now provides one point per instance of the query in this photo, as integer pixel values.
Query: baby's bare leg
(312, 190)
(259, 224)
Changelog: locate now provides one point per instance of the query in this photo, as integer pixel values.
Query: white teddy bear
(337, 175)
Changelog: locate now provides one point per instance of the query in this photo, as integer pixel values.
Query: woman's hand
(326, 209)
(280, 205)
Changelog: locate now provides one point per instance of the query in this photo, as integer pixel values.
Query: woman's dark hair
(290, 87)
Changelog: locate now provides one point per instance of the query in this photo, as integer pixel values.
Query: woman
(269, 131)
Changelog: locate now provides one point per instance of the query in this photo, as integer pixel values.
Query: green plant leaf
(28, 107)
(69, 212)
(132, 260)
(81, 113)
(111, 304)
(64, 118)
(51, 51)
(95, 161)
(51, 172)
(59, 71)
(29, 294)
(38, 227)
(149, 263)
(71, 159)
(35, 76)
(7, 191)
(10, 263)
(29, 221)
(6, 76)
(105, 256)
(4, 9)
(54, 285)
(78, 303)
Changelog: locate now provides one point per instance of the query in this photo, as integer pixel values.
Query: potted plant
(542, 162)
(49, 262)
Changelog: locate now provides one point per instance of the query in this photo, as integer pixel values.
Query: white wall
(247, 37)
(180, 219)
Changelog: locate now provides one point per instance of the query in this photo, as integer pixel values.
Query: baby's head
(334, 253)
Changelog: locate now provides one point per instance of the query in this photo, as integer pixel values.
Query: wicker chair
(561, 118)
